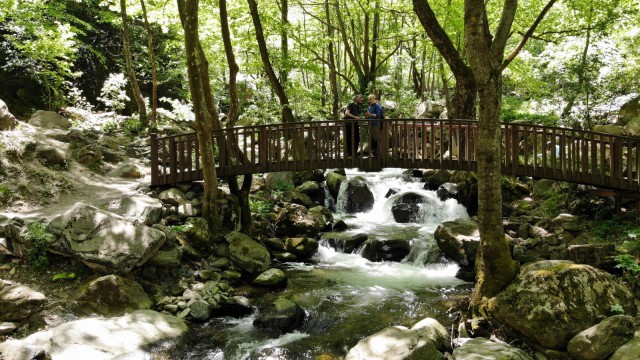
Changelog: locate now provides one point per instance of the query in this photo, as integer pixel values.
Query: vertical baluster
(154, 159)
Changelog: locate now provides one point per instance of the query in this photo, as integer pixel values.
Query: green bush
(38, 239)
(554, 205)
(133, 127)
(259, 206)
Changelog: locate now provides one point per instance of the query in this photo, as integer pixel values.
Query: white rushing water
(337, 290)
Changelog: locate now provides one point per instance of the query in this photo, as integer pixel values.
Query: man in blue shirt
(374, 112)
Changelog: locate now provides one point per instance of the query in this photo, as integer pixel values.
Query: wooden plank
(154, 160)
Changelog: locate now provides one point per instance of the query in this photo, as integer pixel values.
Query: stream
(347, 297)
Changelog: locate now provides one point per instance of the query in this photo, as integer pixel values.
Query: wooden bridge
(578, 156)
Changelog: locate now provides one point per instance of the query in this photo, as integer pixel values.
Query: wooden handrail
(557, 153)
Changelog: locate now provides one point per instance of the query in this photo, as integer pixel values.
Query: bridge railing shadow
(530, 150)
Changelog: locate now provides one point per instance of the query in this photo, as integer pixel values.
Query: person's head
(358, 99)
(372, 99)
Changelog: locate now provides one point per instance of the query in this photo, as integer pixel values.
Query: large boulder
(629, 350)
(88, 155)
(104, 339)
(18, 302)
(611, 129)
(111, 295)
(52, 156)
(597, 255)
(173, 197)
(600, 340)
(459, 240)
(429, 109)
(301, 247)
(281, 315)
(386, 249)
(406, 208)
(141, 208)
(357, 197)
(334, 181)
(629, 111)
(272, 277)
(104, 241)
(295, 220)
(558, 295)
(17, 350)
(424, 340)
(49, 120)
(7, 120)
(279, 180)
(247, 254)
(485, 349)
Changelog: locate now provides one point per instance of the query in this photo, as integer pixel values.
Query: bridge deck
(577, 156)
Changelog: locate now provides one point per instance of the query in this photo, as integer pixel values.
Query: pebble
(7, 328)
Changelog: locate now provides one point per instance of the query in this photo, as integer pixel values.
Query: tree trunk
(287, 114)
(445, 90)
(333, 78)
(246, 223)
(581, 71)
(154, 75)
(126, 44)
(284, 42)
(196, 68)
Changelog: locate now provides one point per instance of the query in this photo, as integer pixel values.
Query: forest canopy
(577, 69)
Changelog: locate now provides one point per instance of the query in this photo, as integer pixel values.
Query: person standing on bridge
(374, 112)
(352, 133)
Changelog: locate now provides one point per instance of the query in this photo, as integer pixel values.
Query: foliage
(183, 228)
(628, 264)
(259, 206)
(617, 309)
(283, 186)
(113, 94)
(64, 276)
(133, 127)
(554, 205)
(38, 238)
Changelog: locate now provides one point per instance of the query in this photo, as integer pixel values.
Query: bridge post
(154, 159)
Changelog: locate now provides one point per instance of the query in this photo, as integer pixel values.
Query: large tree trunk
(154, 75)
(287, 114)
(126, 44)
(204, 122)
(284, 42)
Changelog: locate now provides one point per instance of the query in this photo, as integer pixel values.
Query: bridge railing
(530, 150)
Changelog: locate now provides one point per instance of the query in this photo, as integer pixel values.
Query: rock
(281, 181)
(386, 249)
(188, 210)
(17, 350)
(447, 191)
(199, 310)
(357, 197)
(424, 340)
(599, 341)
(18, 302)
(238, 306)
(334, 181)
(103, 339)
(459, 240)
(310, 188)
(172, 196)
(629, 111)
(198, 234)
(52, 156)
(340, 225)
(324, 217)
(111, 295)
(391, 192)
(7, 120)
(141, 208)
(247, 254)
(596, 255)
(481, 348)
(566, 222)
(347, 243)
(88, 155)
(295, 220)
(165, 259)
(282, 315)
(429, 109)
(630, 350)
(127, 171)
(272, 277)
(544, 189)
(406, 208)
(49, 120)
(558, 295)
(611, 129)
(436, 178)
(301, 247)
(7, 328)
(104, 241)
(297, 198)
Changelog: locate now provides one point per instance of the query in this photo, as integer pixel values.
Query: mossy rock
(111, 295)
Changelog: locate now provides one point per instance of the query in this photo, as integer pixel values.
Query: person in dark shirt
(352, 132)
(374, 112)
